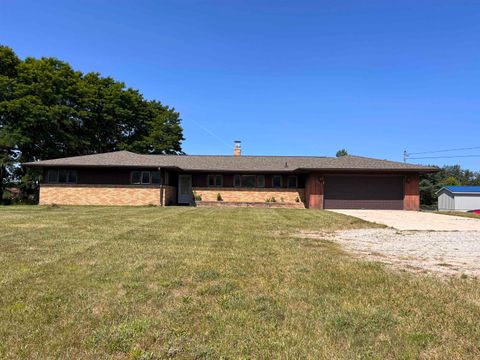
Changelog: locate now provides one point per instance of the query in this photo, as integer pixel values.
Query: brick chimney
(237, 148)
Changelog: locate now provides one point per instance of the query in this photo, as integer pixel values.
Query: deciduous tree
(50, 110)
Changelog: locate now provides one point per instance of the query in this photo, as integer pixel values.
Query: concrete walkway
(415, 220)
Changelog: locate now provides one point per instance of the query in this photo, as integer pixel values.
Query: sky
(284, 77)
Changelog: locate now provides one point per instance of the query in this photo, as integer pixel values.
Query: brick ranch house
(126, 178)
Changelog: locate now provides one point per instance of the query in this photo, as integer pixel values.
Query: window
(72, 177)
(145, 177)
(292, 181)
(156, 177)
(249, 181)
(260, 181)
(62, 176)
(237, 181)
(277, 181)
(215, 180)
(52, 176)
(136, 177)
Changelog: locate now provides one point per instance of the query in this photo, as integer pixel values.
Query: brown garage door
(364, 192)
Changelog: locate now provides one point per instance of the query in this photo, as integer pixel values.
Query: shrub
(198, 197)
(219, 197)
(271, 199)
(297, 199)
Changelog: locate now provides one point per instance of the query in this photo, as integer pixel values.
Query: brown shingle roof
(230, 163)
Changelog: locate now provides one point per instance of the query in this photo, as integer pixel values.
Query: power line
(448, 150)
(444, 157)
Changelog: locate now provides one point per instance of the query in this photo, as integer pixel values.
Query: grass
(187, 283)
(459, 213)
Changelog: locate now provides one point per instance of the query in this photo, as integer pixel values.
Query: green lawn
(179, 282)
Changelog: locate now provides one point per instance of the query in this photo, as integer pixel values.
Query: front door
(185, 195)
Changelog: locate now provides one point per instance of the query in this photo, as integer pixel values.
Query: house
(126, 178)
(459, 198)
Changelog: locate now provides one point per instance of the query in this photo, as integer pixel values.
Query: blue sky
(285, 77)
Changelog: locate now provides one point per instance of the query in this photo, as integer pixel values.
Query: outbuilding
(459, 198)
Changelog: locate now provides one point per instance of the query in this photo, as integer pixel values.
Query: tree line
(50, 110)
(448, 175)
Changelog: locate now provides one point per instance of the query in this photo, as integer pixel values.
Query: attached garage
(364, 192)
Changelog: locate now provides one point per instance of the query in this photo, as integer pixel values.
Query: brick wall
(250, 194)
(99, 195)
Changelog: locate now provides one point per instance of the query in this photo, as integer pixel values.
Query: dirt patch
(448, 253)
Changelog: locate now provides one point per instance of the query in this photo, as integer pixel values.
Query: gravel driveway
(415, 241)
(415, 220)
(443, 252)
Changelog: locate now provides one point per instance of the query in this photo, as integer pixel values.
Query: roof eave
(127, 166)
(409, 170)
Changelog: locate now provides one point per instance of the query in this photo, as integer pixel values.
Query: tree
(448, 175)
(342, 152)
(8, 71)
(50, 110)
(451, 180)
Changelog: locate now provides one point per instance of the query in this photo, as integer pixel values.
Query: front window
(52, 176)
(72, 177)
(249, 181)
(276, 181)
(62, 176)
(292, 181)
(136, 177)
(260, 181)
(145, 177)
(215, 180)
(237, 181)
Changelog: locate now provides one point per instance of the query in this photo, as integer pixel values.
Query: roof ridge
(244, 156)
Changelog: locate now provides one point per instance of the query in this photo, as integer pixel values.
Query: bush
(6, 201)
(198, 197)
(219, 197)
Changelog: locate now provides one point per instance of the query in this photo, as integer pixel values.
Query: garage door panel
(364, 192)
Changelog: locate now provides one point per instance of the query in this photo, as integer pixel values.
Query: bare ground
(446, 253)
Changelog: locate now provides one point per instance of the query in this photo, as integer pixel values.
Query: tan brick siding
(99, 195)
(250, 194)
